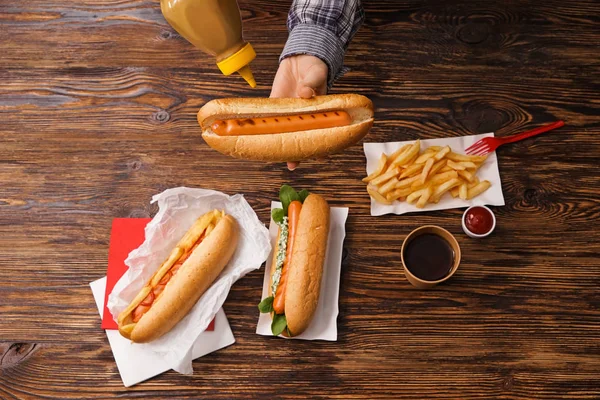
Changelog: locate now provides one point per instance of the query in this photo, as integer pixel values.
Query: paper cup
(436, 230)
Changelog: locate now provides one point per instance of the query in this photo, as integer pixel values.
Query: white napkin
(324, 323)
(488, 171)
(178, 209)
(136, 364)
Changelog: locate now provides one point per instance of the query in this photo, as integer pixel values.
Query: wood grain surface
(98, 103)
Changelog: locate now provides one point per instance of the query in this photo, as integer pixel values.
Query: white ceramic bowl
(475, 235)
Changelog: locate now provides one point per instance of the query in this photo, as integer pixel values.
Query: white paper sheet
(324, 323)
(136, 364)
(489, 170)
(178, 209)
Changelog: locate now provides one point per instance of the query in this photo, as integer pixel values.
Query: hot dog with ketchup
(275, 129)
(298, 259)
(180, 281)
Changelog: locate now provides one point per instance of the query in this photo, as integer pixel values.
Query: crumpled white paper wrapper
(178, 210)
(324, 323)
(488, 171)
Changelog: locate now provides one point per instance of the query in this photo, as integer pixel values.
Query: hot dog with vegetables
(275, 129)
(180, 281)
(298, 259)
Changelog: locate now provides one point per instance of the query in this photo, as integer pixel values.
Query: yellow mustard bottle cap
(238, 62)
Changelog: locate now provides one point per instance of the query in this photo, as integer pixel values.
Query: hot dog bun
(306, 265)
(292, 146)
(187, 286)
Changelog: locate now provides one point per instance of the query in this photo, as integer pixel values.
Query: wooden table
(98, 103)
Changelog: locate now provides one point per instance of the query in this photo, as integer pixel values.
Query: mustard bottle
(215, 27)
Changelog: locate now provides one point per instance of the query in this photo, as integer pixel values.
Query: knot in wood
(473, 32)
(530, 196)
(507, 383)
(162, 116)
(485, 115)
(135, 165)
(137, 213)
(12, 354)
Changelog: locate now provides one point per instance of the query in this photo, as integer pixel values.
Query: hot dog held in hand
(180, 281)
(298, 259)
(283, 129)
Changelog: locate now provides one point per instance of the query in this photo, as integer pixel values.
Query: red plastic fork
(489, 144)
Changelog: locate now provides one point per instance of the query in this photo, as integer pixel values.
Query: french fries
(386, 177)
(473, 184)
(415, 195)
(438, 179)
(388, 186)
(424, 177)
(461, 157)
(433, 148)
(398, 194)
(406, 156)
(444, 187)
(424, 197)
(426, 170)
(411, 171)
(468, 164)
(408, 182)
(428, 155)
(455, 166)
(399, 151)
(379, 170)
(378, 197)
(466, 175)
(437, 167)
(477, 190)
(463, 191)
(442, 153)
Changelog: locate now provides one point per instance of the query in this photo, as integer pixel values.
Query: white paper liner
(488, 171)
(178, 209)
(136, 365)
(324, 323)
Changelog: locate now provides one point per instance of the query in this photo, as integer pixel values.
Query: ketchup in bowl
(479, 220)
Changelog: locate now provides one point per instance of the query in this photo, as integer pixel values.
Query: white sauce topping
(282, 247)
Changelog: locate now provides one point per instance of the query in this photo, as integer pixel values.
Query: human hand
(301, 76)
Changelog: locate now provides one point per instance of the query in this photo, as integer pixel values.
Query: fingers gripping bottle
(215, 27)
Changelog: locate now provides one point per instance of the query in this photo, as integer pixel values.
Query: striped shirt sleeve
(324, 29)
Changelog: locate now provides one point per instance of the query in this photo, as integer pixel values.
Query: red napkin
(126, 235)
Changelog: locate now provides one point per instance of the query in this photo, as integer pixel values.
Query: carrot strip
(293, 218)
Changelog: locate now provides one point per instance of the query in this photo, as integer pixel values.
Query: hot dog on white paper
(180, 281)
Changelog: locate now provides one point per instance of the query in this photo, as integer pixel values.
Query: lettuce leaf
(266, 306)
(277, 214)
(303, 195)
(279, 324)
(287, 194)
